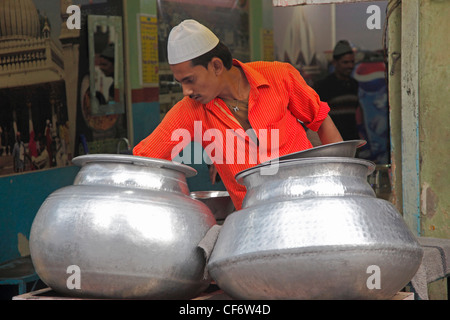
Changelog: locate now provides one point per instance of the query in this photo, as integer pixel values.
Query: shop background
(41, 93)
(305, 36)
(22, 193)
(148, 104)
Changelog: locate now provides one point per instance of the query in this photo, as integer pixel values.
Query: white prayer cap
(189, 40)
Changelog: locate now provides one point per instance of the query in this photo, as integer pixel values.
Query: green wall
(21, 196)
(144, 114)
(261, 17)
(133, 8)
(434, 118)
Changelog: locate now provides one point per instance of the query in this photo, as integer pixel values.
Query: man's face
(344, 66)
(197, 82)
(106, 66)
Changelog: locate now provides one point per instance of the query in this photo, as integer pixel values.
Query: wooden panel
(49, 294)
(285, 3)
(410, 114)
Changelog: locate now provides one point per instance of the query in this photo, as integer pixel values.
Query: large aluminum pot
(314, 230)
(130, 227)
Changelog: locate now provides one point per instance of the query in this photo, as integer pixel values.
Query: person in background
(49, 139)
(106, 64)
(19, 154)
(1, 143)
(42, 161)
(226, 95)
(340, 90)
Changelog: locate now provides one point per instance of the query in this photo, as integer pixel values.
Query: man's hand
(328, 133)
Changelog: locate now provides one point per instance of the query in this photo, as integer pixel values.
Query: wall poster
(148, 50)
(100, 113)
(34, 117)
(43, 65)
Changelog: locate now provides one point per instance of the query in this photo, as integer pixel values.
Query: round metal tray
(338, 149)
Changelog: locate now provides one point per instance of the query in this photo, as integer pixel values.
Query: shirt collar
(255, 79)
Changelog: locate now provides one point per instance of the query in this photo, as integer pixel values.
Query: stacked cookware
(311, 227)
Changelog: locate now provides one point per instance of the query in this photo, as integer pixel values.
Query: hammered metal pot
(314, 230)
(129, 225)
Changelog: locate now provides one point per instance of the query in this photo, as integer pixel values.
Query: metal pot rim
(209, 194)
(292, 162)
(134, 160)
(346, 148)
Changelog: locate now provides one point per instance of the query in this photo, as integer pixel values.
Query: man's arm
(328, 133)
(170, 136)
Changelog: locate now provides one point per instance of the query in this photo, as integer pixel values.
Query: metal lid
(338, 149)
(134, 160)
(301, 161)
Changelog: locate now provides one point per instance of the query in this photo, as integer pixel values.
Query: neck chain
(236, 108)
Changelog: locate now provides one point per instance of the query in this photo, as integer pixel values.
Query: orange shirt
(279, 97)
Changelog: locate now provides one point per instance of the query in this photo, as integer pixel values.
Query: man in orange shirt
(234, 108)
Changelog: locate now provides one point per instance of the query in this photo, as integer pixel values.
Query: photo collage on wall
(45, 119)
